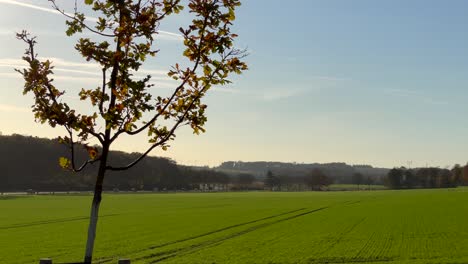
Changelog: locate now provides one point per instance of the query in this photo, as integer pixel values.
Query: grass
(355, 187)
(417, 226)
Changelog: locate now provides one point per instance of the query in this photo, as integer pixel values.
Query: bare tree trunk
(93, 219)
(92, 227)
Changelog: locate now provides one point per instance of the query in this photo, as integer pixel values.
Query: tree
(394, 178)
(409, 179)
(457, 175)
(358, 179)
(443, 179)
(465, 174)
(369, 181)
(316, 179)
(125, 32)
(245, 180)
(271, 181)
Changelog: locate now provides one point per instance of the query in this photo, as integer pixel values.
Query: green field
(418, 226)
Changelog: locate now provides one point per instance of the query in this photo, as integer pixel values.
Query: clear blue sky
(363, 82)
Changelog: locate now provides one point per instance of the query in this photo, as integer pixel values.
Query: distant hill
(340, 171)
(32, 163)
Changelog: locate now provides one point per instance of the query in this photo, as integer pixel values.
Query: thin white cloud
(11, 75)
(268, 96)
(328, 78)
(13, 109)
(314, 84)
(70, 71)
(221, 89)
(152, 72)
(80, 79)
(159, 78)
(78, 71)
(11, 32)
(414, 94)
(435, 102)
(275, 95)
(159, 81)
(36, 7)
(87, 68)
(402, 92)
(7, 32)
(59, 62)
(60, 65)
(8, 63)
(169, 35)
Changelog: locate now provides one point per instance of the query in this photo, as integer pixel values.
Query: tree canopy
(122, 103)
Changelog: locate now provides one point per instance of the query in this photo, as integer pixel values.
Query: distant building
(212, 187)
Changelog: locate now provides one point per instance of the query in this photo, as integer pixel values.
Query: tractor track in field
(210, 243)
(160, 256)
(213, 232)
(225, 228)
(367, 247)
(352, 202)
(53, 221)
(386, 247)
(342, 235)
(349, 260)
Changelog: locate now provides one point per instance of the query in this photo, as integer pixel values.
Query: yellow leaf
(63, 162)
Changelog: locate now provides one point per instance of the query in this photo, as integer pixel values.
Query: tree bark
(93, 219)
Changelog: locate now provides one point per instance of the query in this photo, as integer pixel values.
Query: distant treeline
(404, 178)
(338, 172)
(314, 180)
(32, 163)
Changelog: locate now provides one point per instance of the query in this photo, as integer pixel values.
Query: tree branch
(101, 109)
(113, 81)
(55, 6)
(156, 116)
(72, 150)
(171, 132)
